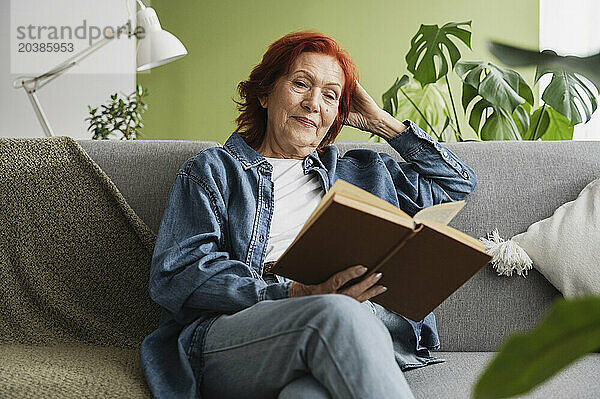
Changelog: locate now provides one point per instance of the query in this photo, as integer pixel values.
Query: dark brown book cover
(425, 271)
(422, 263)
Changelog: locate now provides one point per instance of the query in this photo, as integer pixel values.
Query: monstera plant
(497, 102)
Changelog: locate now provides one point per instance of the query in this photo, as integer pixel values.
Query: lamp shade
(158, 46)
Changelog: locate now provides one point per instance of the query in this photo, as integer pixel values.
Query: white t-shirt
(296, 196)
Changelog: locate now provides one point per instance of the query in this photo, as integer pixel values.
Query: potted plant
(120, 116)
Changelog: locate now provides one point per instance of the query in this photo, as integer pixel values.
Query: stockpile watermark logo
(46, 33)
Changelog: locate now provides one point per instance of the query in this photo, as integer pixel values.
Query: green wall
(191, 98)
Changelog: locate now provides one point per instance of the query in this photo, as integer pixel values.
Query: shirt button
(261, 238)
(309, 162)
(465, 175)
(445, 154)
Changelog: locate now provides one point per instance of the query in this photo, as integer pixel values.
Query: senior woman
(231, 329)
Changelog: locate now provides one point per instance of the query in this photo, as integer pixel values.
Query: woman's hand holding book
(361, 291)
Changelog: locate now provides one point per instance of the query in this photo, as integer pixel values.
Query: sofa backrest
(519, 183)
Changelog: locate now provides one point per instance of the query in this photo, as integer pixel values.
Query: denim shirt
(209, 254)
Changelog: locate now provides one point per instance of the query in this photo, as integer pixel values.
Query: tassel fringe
(508, 256)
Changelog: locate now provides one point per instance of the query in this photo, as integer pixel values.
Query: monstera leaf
(498, 124)
(516, 57)
(563, 93)
(505, 98)
(428, 44)
(551, 126)
(569, 330)
(426, 106)
(522, 118)
(390, 97)
(503, 88)
(507, 130)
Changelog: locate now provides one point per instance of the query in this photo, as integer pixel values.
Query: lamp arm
(33, 83)
(24, 81)
(39, 113)
(45, 78)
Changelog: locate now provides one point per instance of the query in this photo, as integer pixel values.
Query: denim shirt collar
(249, 158)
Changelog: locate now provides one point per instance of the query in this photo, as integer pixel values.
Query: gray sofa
(518, 183)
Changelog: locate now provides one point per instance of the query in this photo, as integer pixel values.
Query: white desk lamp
(156, 47)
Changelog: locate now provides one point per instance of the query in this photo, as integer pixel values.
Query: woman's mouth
(305, 122)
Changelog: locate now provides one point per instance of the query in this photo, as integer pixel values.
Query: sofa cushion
(456, 377)
(70, 371)
(561, 246)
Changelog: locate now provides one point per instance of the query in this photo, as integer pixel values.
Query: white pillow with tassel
(565, 247)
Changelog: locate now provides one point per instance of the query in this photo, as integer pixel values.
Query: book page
(440, 213)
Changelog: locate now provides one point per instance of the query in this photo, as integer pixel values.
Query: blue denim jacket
(209, 254)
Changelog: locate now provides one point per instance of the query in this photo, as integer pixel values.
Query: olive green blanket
(74, 256)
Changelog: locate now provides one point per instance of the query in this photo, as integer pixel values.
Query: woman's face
(302, 106)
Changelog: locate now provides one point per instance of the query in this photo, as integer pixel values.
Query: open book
(423, 260)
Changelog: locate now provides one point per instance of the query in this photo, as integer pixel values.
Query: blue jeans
(319, 346)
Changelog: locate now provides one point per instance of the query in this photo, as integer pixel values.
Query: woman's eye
(301, 84)
(329, 96)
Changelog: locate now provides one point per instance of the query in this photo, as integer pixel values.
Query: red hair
(276, 62)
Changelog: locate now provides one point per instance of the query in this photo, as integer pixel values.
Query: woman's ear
(263, 101)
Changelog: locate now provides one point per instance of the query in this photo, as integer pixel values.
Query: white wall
(64, 100)
(571, 28)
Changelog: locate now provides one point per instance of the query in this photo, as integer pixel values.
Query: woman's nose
(311, 101)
